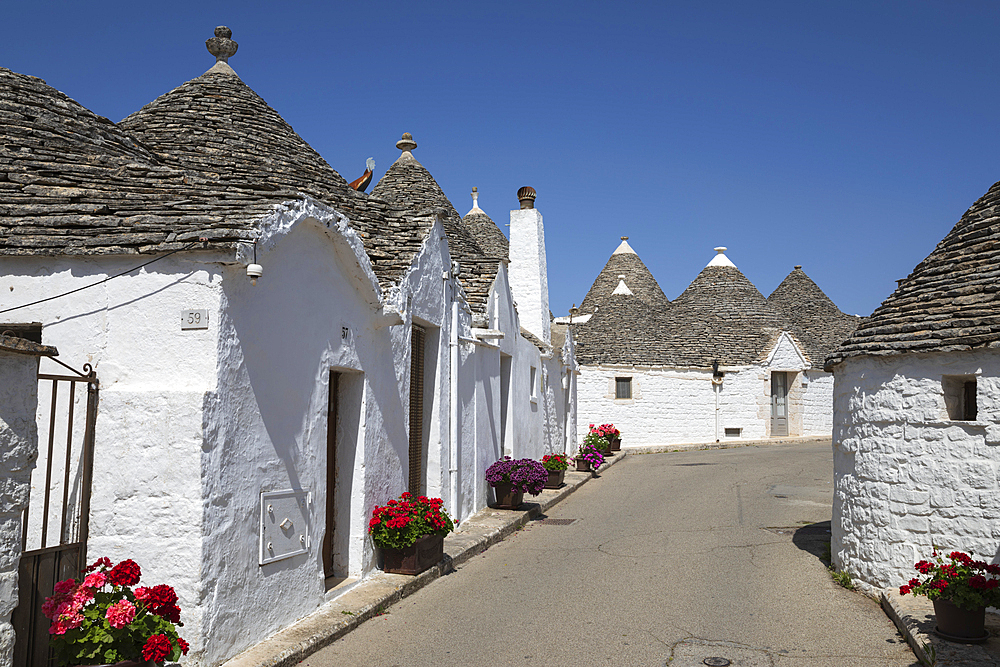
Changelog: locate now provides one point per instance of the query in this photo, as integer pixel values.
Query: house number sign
(194, 319)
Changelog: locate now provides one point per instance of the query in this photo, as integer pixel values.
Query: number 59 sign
(194, 319)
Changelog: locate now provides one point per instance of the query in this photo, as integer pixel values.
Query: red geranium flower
(156, 649)
(126, 573)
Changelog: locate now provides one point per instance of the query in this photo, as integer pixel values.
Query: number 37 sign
(194, 319)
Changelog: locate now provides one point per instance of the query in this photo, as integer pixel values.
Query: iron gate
(54, 525)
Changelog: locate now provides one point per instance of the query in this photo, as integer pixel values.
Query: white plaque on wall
(194, 319)
(284, 524)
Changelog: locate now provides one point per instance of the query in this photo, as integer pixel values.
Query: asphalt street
(666, 559)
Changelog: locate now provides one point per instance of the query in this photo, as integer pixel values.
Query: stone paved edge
(722, 444)
(372, 596)
(914, 616)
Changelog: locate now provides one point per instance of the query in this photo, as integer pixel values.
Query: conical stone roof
(218, 126)
(486, 233)
(624, 261)
(625, 330)
(722, 316)
(409, 185)
(951, 300)
(815, 320)
(73, 182)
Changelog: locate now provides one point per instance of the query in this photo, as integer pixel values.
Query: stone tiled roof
(534, 340)
(208, 159)
(625, 262)
(487, 234)
(815, 320)
(216, 124)
(408, 184)
(624, 330)
(722, 316)
(950, 301)
(72, 182)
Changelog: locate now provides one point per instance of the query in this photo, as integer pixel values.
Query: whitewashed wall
(266, 425)
(906, 478)
(146, 498)
(18, 452)
(678, 405)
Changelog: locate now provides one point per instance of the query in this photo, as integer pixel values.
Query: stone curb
(723, 444)
(370, 597)
(914, 616)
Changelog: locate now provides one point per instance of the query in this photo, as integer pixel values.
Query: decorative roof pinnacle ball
(526, 196)
(406, 143)
(221, 46)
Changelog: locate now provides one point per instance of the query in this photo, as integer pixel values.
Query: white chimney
(529, 280)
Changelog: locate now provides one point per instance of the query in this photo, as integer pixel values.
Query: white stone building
(916, 429)
(380, 350)
(720, 362)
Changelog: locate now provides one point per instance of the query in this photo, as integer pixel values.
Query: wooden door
(331, 474)
(416, 470)
(779, 404)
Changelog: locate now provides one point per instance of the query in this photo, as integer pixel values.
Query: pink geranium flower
(120, 614)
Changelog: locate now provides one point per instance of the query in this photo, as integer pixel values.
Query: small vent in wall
(733, 432)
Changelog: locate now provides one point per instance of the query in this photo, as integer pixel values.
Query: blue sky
(845, 137)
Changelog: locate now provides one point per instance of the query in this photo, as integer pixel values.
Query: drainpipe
(453, 402)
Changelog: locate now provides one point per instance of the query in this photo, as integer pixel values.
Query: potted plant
(102, 620)
(555, 465)
(589, 457)
(602, 440)
(511, 479)
(960, 589)
(410, 532)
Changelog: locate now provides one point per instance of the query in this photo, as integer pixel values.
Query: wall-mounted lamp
(254, 270)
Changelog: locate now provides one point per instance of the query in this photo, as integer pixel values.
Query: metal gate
(54, 525)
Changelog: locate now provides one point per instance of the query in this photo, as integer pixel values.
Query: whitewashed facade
(916, 430)
(207, 435)
(703, 368)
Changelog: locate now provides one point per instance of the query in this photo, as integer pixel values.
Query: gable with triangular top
(786, 354)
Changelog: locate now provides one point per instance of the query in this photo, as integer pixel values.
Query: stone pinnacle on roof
(624, 247)
(406, 144)
(221, 46)
(720, 259)
(475, 201)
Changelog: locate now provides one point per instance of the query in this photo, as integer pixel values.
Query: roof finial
(475, 198)
(526, 196)
(221, 46)
(406, 143)
(721, 249)
(624, 238)
(798, 266)
(720, 259)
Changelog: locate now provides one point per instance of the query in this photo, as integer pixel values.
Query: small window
(960, 397)
(733, 432)
(623, 387)
(534, 382)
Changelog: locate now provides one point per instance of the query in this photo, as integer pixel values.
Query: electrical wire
(101, 282)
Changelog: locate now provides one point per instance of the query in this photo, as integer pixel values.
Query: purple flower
(526, 475)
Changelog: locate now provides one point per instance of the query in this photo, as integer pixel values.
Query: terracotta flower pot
(555, 479)
(423, 554)
(507, 497)
(960, 625)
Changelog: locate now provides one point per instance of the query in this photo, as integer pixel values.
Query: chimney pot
(526, 196)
